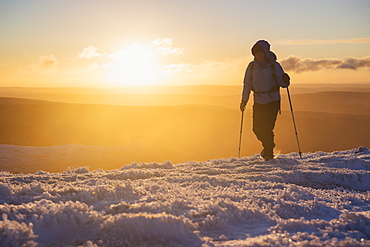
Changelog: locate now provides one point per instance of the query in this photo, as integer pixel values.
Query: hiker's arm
(279, 75)
(247, 83)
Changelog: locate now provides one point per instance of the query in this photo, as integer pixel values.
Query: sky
(112, 43)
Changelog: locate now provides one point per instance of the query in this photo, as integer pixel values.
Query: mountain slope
(319, 200)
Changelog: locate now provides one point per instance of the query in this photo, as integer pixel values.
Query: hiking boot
(266, 156)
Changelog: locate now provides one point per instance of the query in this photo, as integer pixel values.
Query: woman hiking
(264, 76)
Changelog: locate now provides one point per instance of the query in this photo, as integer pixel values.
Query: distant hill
(228, 96)
(331, 102)
(304, 97)
(185, 132)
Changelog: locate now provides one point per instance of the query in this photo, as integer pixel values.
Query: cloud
(139, 52)
(315, 42)
(90, 52)
(134, 52)
(164, 47)
(208, 66)
(298, 65)
(46, 64)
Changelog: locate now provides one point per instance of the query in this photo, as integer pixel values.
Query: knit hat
(257, 48)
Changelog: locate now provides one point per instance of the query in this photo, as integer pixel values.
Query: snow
(321, 199)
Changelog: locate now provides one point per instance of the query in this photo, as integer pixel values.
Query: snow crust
(322, 199)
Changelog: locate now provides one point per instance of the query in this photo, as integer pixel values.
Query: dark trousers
(264, 118)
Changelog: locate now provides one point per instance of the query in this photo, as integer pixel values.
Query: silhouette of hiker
(264, 76)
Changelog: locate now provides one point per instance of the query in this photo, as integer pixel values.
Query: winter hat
(257, 48)
(265, 46)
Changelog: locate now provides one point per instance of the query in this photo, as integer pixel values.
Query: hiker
(264, 76)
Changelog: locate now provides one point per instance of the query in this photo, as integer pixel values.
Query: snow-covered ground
(322, 199)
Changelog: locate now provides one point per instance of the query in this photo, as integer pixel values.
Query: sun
(136, 65)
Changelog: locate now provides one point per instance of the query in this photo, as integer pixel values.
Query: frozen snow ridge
(322, 199)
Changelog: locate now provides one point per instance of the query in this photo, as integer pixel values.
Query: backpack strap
(252, 68)
(275, 88)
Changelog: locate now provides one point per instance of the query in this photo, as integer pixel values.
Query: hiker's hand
(286, 79)
(242, 105)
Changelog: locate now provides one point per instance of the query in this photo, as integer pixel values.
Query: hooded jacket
(263, 80)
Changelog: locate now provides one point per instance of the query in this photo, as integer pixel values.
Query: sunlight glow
(134, 66)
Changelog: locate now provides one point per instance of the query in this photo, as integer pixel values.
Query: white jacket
(263, 82)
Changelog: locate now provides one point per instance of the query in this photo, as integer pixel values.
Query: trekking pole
(241, 131)
(286, 78)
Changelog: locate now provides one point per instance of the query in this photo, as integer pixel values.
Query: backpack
(275, 88)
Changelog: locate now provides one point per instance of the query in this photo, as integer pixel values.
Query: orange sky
(122, 43)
